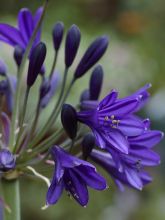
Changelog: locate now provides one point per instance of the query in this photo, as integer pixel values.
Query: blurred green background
(135, 57)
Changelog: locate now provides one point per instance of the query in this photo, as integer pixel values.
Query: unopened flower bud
(72, 44)
(18, 55)
(57, 33)
(3, 86)
(3, 68)
(69, 120)
(45, 87)
(96, 81)
(94, 52)
(7, 160)
(36, 61)
(85, 95)
(88, 144)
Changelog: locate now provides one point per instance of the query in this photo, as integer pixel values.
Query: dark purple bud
(42, 70)
(57, 33)
(37, 58)
(7, 160)
(3, 68)
(72, 44)
(95, 83)
(94, 52)
(18, 55)
(85, 95)
(88, 144)
(69, 120)
(3, 86)
(45, 87)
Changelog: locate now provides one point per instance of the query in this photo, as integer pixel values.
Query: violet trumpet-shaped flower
(129, 169)
(73, 175)
(21, 34)
(112, 120)
(131, 177)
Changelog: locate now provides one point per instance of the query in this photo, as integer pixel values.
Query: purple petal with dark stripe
(121, 108)
(131, 126)
(108, 100)
(54, 192)
(76, 187)
(148, 139)
(91, 177)
(145, 157)
(133, 178)
(118, 141)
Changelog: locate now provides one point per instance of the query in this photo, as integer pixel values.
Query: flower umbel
(108, 132)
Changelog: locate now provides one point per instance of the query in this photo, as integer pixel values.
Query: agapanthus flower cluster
(108, 133)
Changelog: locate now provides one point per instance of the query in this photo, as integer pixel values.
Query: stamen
(46, 180)
(138, 165)
(106, 118)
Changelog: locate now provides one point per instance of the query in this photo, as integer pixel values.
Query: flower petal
(108, 100)
(133, 178)
(77, 187)
(25, 23)
(91, 177)
(131, 126)
(121, 108)
(145, 157)
(67, 160)
(11, 34)
(118, 141)
(54, 192)
(149, 139)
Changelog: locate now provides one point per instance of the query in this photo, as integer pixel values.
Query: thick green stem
(11, 197)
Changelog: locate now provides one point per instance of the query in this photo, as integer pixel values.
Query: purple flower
(131, 176)
(112, 120)
(129, 168)
(73, 175)
(7, 160)
(21, 34)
